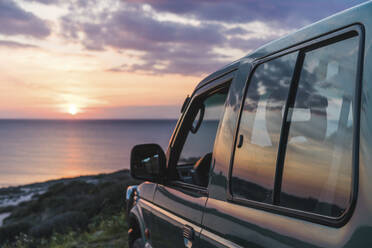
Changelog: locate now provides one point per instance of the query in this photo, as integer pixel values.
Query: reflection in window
(260, 125)
(317, 173)
(201, 142)
(194, 163)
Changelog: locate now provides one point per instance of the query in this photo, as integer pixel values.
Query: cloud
(167, 46)
(187, 60)
(14, 44)
(242, 11)
(47, 2)
(250, 44)
(79, 3)
(174, 44)
(16, 21)
(133, 29)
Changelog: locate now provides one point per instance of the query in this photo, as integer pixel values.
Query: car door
(180, 202)
(289, 180)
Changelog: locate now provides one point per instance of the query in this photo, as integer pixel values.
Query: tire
(138, 243)
(129, 205)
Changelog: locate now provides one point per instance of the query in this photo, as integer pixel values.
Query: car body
(290, 162)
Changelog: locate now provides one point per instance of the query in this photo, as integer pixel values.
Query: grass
(107, 232)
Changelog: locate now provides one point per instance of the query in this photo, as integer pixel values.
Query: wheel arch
(134, 229)
(136, 225)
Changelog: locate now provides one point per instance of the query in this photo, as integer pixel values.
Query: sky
(129, 59)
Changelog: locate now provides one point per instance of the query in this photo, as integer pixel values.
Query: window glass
(198, 146)
(317, 174)
(259, 132)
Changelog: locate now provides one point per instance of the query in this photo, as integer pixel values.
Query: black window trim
(222, 82)
(352, 30)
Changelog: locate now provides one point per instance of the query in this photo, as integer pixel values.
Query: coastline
(41, 210)
(13, 195)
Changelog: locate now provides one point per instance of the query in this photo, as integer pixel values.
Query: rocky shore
(73, 212)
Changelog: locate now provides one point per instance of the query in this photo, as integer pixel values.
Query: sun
(72, 109)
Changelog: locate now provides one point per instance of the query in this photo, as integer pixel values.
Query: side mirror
(148, 162)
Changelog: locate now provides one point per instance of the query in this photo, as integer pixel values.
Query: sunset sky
(130, 59)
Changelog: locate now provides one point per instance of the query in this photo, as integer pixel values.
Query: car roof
(332, 23)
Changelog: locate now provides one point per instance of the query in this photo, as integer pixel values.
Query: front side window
(195, 158)
(317, 173)
(259, 131)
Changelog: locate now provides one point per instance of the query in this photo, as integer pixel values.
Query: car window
(317, 173)
(195, 158)
(254, 162)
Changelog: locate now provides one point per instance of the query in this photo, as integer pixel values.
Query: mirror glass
(147, 162)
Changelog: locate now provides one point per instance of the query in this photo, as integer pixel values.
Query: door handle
(188, 235)
(240, 141)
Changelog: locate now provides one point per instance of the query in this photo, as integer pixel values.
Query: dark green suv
(273, 150)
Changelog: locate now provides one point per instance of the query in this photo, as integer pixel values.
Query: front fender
(139, 215)
(137, 225)
(135, 218)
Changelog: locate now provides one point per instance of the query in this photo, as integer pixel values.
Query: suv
(273, 150)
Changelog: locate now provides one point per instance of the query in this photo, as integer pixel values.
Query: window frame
(177, 141)
(312, 44)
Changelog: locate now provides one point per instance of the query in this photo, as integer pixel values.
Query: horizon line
(87, 119)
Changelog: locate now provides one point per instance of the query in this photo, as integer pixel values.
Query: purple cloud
(186, 49)
(14, 44)
(79, 3)
(241, 11)
(182, 48)
(46, 1)
(16, 21)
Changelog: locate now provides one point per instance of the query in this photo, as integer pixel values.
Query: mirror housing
(148, 162)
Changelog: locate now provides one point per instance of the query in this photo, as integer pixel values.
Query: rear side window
(253, 173)
(295, 141)
(317, 174)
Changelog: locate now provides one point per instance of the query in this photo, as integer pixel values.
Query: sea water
(40, 150)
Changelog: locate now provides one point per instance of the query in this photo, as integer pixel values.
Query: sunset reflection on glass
(318, 134)
(260, 125)
(317, 173)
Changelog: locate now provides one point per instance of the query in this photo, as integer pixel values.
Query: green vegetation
(109, 232)
(81, 212)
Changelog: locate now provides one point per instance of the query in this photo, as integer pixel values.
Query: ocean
(39, 150)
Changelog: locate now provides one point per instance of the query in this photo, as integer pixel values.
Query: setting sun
(72, 109)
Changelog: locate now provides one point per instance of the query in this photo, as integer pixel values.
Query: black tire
(138, 243)
(129, 205)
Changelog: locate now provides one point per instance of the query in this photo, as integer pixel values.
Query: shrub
(9, 232)
(61, 223)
